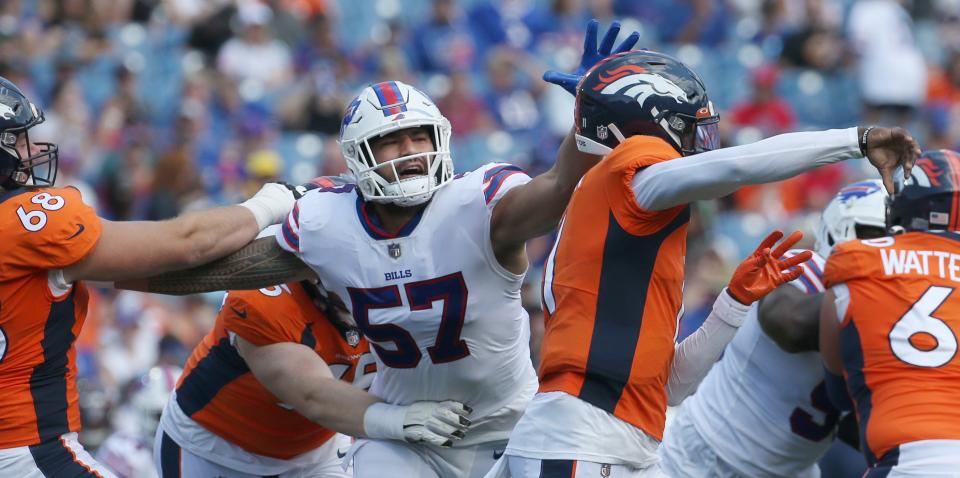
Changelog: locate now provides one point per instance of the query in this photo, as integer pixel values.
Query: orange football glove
(764, 271)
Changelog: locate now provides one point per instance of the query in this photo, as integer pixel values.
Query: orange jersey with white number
(42, 230)
(219, 391)
(612, 292)
(898, 337)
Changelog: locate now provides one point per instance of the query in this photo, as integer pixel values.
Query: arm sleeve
(717, 173)
(694, 356)
(288, 234)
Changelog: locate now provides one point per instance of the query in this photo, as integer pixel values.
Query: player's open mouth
(412, 169)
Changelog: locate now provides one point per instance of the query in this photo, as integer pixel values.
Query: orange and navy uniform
(898, 337)
(43, 230)
(612, 292)
(218, 390)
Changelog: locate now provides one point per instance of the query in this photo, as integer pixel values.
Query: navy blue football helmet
(17, 116)
(644, 93)
(930, 199)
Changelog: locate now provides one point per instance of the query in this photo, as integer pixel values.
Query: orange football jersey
(218, 390)
(612, 292)
(43, 230)
(898, 338)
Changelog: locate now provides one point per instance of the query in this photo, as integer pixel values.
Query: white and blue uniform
(760, 412)
(443, 317)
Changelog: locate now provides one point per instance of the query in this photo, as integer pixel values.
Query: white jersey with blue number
(443, 317)
(764, 411)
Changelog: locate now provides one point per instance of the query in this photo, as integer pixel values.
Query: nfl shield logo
(605, 470)
(602, 132)
(394, 250)
(353, 338)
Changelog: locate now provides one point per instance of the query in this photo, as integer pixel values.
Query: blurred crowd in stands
(160, 106)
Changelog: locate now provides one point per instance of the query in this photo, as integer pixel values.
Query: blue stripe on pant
(556, 468)
(169, 458)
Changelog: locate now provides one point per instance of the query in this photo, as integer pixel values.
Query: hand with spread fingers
(888, 149)
(592, 55)
(764, 270)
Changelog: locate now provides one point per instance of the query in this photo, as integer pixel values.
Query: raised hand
(890, 148)
(764, 271)
(592, 55)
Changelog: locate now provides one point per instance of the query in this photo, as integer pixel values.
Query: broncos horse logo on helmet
(17, 116)
(930, 199)
(644, 93)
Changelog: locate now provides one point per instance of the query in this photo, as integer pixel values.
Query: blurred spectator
(514, 86)
(500, 22)
(255, 55)
(704, 22)
(765, 109)
(467, 113)
(443, 42)
(892, 72)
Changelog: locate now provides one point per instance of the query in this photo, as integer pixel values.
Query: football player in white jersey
(430, 264)
(763, 409)
(128, 452)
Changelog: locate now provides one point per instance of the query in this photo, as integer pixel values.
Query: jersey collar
(374, 228)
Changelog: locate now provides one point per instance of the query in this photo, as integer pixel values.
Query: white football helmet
(863, 203)
(382, 109)
(150, 397)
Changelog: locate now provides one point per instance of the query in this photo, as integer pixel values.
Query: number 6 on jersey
(907, 335)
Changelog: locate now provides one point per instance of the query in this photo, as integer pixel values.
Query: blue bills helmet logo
(858, 190)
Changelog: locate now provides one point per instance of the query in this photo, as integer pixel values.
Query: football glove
(592, 55)
(435, 423)
(764, 271)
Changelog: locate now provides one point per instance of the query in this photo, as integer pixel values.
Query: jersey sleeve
(261, 318)
(288, 234)
(498, 178)
(51, 229)
(617, 171)
(850, 260)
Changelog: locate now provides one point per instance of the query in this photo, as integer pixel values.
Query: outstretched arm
(754, 278)
(791, 318)
(535, 208)
(300, 378)
(262, 263)
(131, 249)
(720, 172)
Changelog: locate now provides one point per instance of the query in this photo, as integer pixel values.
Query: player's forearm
(213, 233)
(718, 173)
(694, 356)
(261, 263)
(537, 207)
(336, 405)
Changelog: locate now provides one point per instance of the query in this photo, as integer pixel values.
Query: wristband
(729, 310)
(384, 421)
(863, 140)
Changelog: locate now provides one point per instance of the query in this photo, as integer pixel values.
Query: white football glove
(271, 204)
(436, 423)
